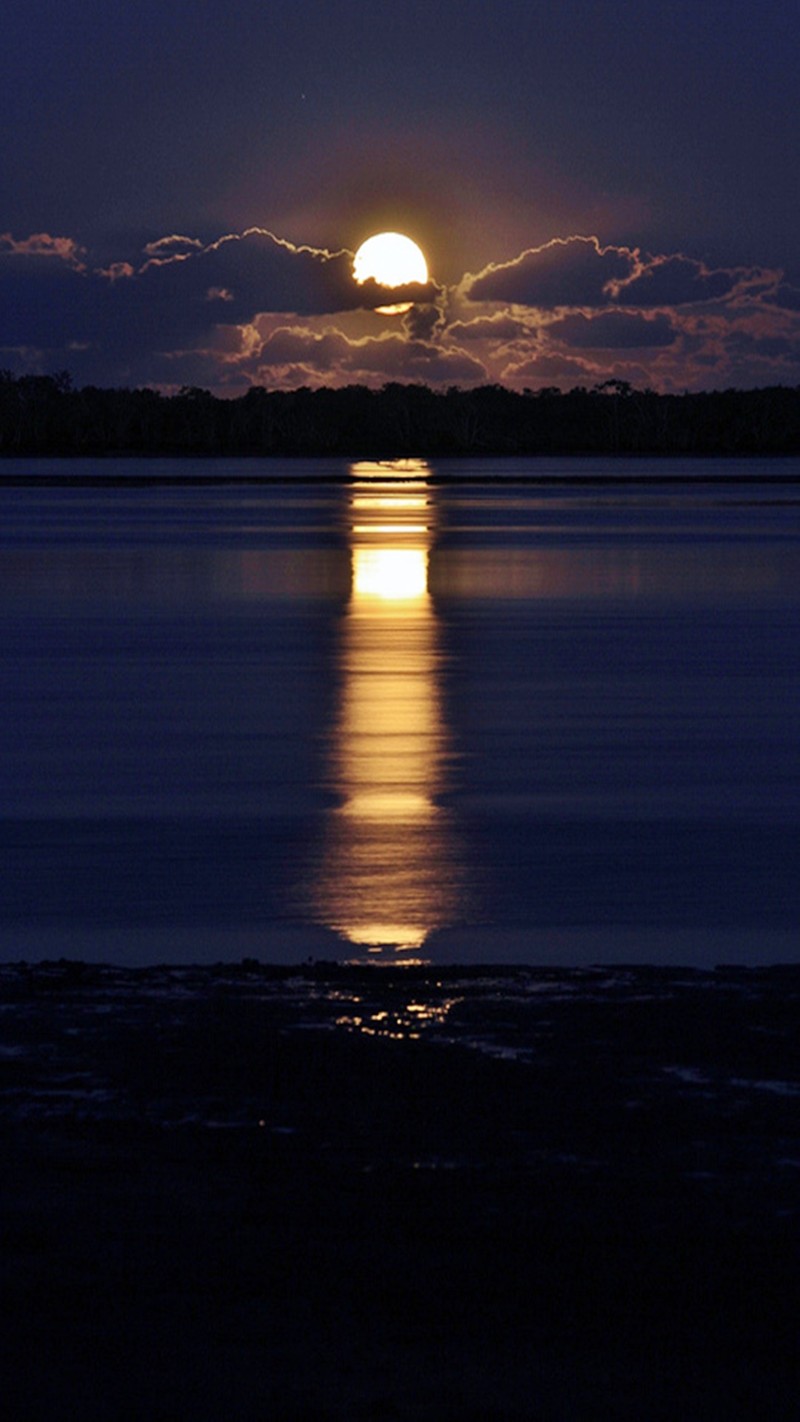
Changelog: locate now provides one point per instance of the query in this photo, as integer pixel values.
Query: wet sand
(254, 1193)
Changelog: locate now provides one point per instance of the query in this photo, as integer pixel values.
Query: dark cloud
(580, 272)
(50, 297)
(46, 301)
(296, 346)
(261, 272)
(571, 271)
(421, 361)
(677, 281)
(785, 296)
(422, 321)
(370, 295)
(770, 347)
(613, 330)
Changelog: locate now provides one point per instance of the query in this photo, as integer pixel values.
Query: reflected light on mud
(386, 878)
(406, 1023)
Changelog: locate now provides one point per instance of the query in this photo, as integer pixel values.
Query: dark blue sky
(484, 131)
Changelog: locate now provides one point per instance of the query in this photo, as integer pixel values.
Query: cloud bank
(254, 308)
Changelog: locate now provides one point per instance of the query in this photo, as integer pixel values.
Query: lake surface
(476, 711)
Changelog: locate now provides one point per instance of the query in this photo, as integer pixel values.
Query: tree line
(47, 415)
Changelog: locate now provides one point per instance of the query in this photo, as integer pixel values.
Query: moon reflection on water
(388, 869)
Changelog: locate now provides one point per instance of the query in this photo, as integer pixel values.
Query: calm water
(364, 711)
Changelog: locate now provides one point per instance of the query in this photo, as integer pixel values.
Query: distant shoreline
(529, 479)
(46, 415)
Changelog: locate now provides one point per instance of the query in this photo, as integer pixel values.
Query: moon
(390, 259)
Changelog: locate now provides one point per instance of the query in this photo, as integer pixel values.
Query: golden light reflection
(390, 574)
(394, 502)
(394, 530)
(388, 873)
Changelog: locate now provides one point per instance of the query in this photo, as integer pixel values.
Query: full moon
(390, 259)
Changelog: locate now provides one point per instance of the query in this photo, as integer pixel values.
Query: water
(492, 712)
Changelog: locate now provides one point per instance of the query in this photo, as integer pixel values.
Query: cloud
(784, 296)
(371, 295)
(296, 346)
(116, 271)
(612, 330)
(253, 306)
(126, 320)
(336, 359)
(580, 272)
(46, 298)
(260, 271)
(422, 321)
(42, 244)
(172, 246)
(770, 347)
(679, 281)
(397, 358)
(551, 369)
(567, 271)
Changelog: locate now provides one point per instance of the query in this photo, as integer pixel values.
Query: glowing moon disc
(390, 259)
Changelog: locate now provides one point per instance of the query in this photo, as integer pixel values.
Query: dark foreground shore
(250, 1193)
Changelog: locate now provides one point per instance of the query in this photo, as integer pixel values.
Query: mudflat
(335, 1191)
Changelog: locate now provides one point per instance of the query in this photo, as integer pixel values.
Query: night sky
(602, 189)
